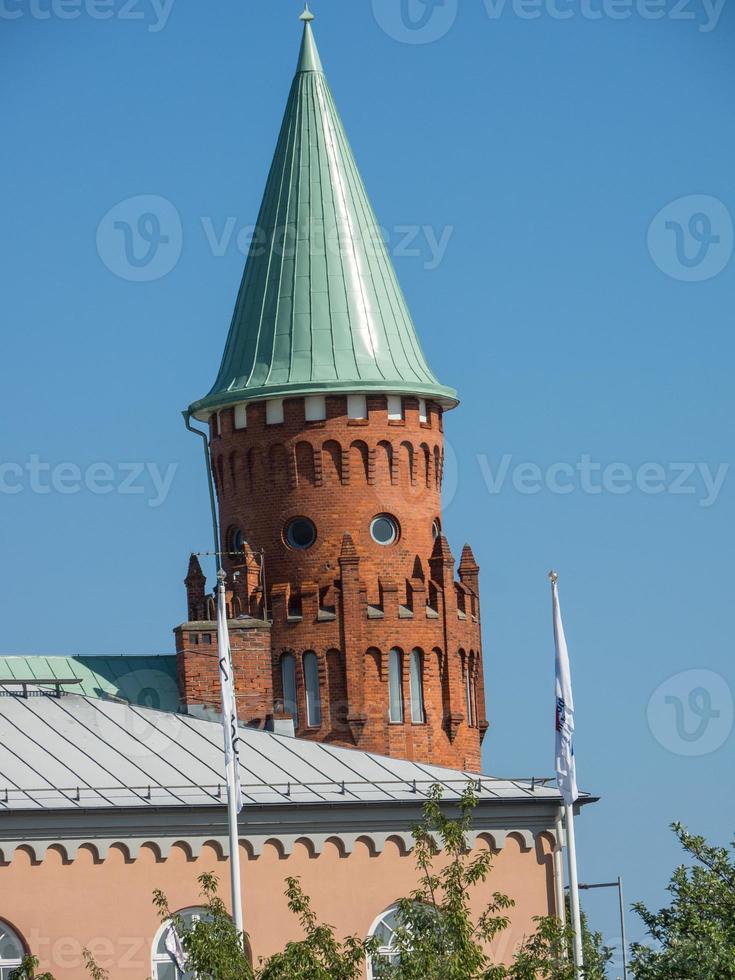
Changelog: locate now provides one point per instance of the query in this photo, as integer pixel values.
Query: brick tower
(326, 442)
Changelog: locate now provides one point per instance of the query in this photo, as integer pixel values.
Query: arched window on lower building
(416, 677)
(12, 951)
(288, 681)
(313, 696)
(395, 686)
(384, 931)
(169, 958)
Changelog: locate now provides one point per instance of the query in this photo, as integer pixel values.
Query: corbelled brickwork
(347, 598)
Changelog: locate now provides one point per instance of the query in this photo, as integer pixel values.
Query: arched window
(384, 930)
(11, 950)
(169, 958)
(395, 686)
(288, 680)
(416, 677)
(313, 698)
(470, 699)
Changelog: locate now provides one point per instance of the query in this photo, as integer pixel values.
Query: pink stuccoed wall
(58, 908)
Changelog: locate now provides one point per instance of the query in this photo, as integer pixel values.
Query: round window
(384, 529)
(236, 540)
(301, 533)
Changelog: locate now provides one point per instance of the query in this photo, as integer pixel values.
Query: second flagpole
(566, 769)
(574, 889)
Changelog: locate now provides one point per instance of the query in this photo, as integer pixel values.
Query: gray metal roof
(77, 752)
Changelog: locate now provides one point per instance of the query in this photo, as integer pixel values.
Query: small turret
(195, 583)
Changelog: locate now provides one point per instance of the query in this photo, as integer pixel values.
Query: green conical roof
(319, 308)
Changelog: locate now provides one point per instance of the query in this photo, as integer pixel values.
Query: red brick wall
(267, 474)
(339, 474)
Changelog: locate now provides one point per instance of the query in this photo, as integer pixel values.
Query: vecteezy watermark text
(700, 480)
(36, 476)
(706, 13)
(153, 13)
(141, 239)
(426, 21)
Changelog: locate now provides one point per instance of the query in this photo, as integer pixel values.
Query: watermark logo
(700, 480)
(416, 21)
(140, 239)
(425, 21)
(691, 239)
(153, 13)
(691, 713)
(35, 475)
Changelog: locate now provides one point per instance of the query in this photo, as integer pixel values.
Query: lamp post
(619, 885)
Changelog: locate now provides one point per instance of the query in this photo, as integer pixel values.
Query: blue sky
(574, 162)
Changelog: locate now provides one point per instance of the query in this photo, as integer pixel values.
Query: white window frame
(274, 411)
(357, 407)
(423, 414)
(395, 408)
(311, 688)
(396, 711)
(288, 680)
(164, 959)
(6, 931)
(315, 408)
(241, 416)
(382, 951)
(416, 677)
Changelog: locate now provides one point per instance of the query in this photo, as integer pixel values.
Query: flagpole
(232, 796)
(574, 888)
(566, 767)
(232, 781)
(561, 905)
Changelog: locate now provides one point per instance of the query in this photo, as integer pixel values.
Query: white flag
(174, 948)
(566, 771)
(229, 705)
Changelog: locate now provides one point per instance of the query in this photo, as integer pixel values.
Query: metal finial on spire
(554, 577)
(307, 15)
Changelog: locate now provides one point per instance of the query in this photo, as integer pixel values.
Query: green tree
(695, 934)
(548, 953)
(93, 969)
(212, 944)
(319, 956)
(437, 938)
(27, 970)
(214, 949)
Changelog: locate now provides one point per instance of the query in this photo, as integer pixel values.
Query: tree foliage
(27, 970)
(548, 953)
(695, 934)
(437, 938)
(213, 946)
(319, 956)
